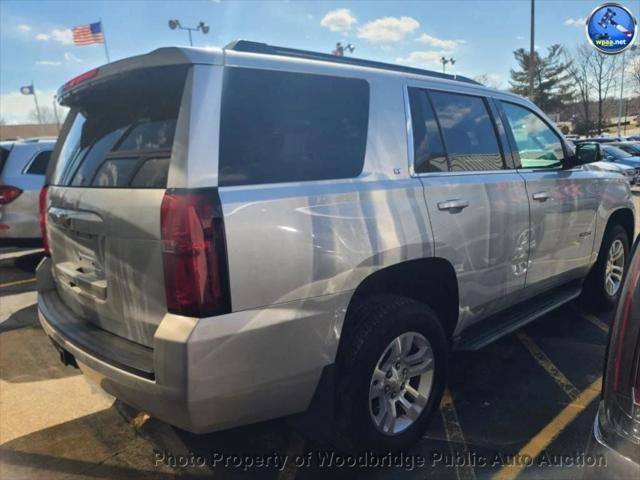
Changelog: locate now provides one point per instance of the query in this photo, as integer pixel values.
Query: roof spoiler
(160, 57)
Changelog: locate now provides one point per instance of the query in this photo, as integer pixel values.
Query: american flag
(88, 34)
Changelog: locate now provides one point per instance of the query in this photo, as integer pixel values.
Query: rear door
(477, 204)
(105, 192)
(563, 201)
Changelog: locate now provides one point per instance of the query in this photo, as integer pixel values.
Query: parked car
(631, 173)
(23, 165)
(233, 232)
(616, 155)
(632, 148)
(616, 430)
(598, 140)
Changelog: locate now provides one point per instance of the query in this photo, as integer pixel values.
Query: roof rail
(258, 47)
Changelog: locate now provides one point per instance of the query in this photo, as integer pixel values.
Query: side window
(468, 131)
(429, 154)
(40, 163)
(538, 145)
(291, 127)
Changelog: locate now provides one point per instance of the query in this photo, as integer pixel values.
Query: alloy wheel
(401, 383)
(614, 269)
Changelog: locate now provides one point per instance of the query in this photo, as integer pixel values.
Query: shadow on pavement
(101, 445)
(26, 355)
(25, 317)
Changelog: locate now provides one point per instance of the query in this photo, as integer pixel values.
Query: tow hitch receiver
(65, 357)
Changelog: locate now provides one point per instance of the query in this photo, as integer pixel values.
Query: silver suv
(235, 231)
(23, 165)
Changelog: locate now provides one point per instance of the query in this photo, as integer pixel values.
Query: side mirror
(587, 153)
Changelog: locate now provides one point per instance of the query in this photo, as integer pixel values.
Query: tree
(551, 82)
(635, 71)
(604, 70)
(489, 80)
(47, 115)
(578, 69)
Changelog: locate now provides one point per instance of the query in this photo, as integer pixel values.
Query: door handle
(541, 196)
(453, 205)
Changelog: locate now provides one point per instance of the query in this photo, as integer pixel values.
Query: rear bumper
(215, 373)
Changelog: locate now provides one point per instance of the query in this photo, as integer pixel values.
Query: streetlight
(203, 27)
(444, 61)
(339, 51)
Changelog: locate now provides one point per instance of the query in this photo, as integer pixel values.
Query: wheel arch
(625, 218)
(431, 281)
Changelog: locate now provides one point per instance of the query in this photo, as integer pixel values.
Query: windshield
(629, 148)
(615, 152)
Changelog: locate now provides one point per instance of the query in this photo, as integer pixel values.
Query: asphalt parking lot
(530, 398)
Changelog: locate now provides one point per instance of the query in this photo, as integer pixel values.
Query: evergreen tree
(551, 78)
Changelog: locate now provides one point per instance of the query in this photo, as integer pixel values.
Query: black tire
(375, 323)
(594, 293)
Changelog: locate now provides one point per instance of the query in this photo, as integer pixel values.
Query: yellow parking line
(17, 282)
(546, 363)
(454, 433)
(545, 436)
(596, 321)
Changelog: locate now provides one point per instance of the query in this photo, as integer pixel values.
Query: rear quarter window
(291, 127)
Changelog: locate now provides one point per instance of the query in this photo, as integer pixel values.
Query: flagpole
(104, 36)
(35, 99)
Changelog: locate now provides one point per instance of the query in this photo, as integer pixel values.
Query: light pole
(339, 51)
(203, 27)
(55, 112)
(444, 62)
(532, 49)
(622, 88)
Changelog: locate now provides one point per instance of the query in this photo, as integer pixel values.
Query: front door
(563, 202)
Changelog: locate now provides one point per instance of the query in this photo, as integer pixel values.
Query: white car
(23, 166)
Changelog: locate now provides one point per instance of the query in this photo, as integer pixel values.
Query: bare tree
(635, 72)
(604, 71)
(579, 72)
(47, 115)
(489, 80)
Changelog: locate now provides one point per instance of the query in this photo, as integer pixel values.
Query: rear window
(121, 132)
(39, 164)
(291, 127)
(469, 134)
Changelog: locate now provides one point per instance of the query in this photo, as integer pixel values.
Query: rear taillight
(42, 204)
(8, 194)
(194, 253)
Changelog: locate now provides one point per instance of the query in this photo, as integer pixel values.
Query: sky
(35, 35)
